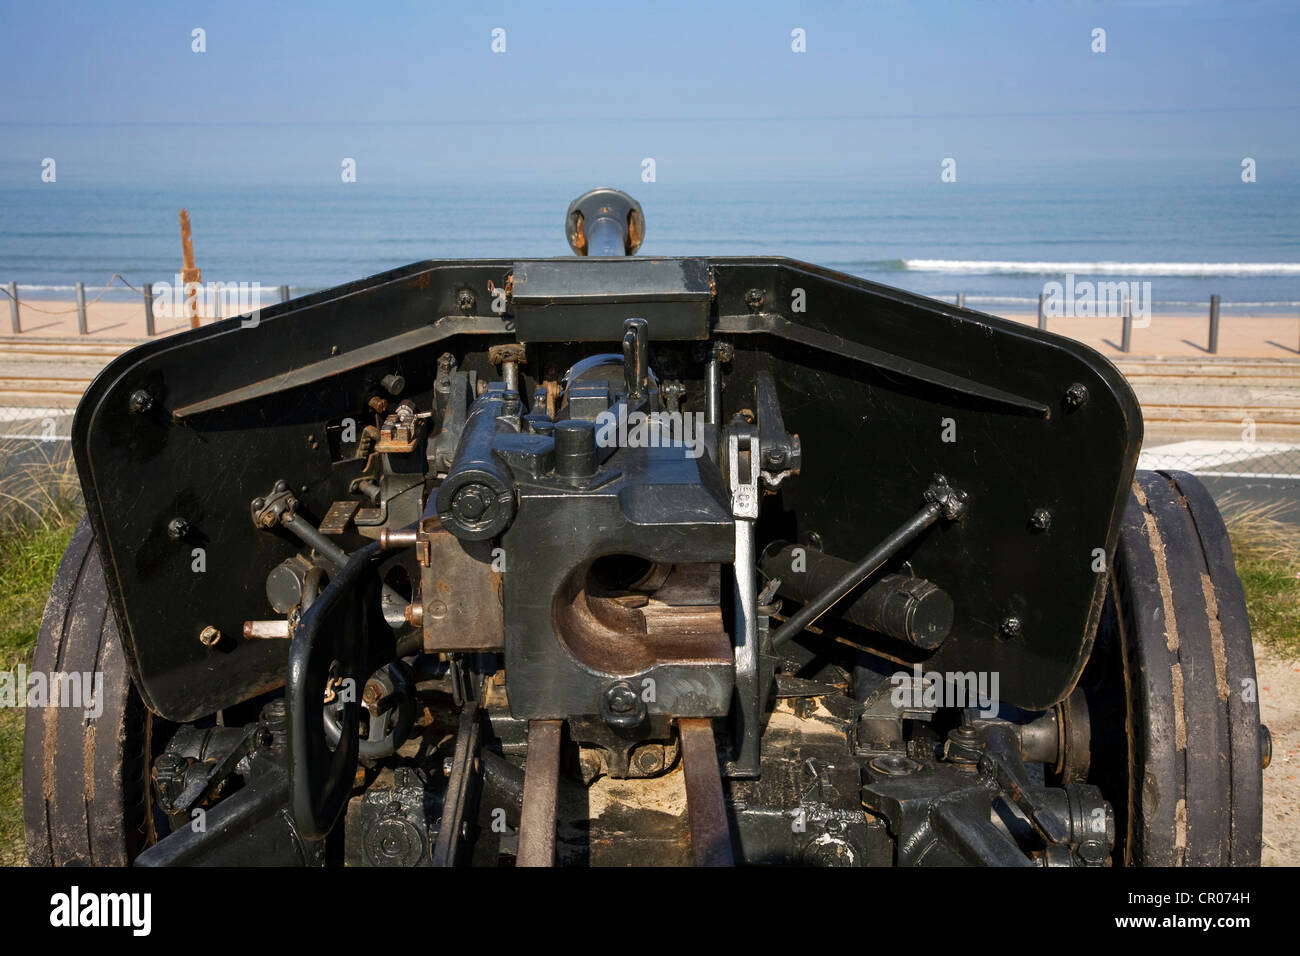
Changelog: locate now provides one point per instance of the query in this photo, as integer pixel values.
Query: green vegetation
(39, 508)
(28, 560)
(1267, 551)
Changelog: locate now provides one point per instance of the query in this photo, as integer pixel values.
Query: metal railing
(146, 294)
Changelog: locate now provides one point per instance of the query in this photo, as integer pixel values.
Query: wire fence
(1225, 459)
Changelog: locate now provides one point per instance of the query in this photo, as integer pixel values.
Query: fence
(26, 417)
(220, 302)
(1126, 320)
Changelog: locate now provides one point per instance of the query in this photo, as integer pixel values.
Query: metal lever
(941, 501)
(636, 358)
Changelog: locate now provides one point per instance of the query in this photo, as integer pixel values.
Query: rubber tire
(1177, 671)
(85, 780)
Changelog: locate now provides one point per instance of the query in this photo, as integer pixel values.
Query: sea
(1190, 231)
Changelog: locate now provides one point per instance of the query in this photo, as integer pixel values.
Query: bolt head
(650, 758)
(140, 401)
(471, 502)
(622, 700)
(1076, 396)
(1041, 520)
(178, 528)
(209, 636)
(1010, 627)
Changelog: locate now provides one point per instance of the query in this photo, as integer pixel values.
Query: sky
(414, 91)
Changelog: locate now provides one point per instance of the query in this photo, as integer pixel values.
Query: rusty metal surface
(628, 630)
(337, 518)
(460, 593)
(541, 783)
(710, 834)
(189, 272)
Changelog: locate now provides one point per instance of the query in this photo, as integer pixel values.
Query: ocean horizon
(1194, 232)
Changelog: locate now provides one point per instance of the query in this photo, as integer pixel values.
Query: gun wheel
(1173, 674)
(86, 796)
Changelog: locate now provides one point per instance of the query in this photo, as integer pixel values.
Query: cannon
(607, 560)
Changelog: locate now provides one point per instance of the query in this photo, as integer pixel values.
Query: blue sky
(413, 90)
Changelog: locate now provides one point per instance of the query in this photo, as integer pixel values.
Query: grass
(1267, 551)
(39, 508)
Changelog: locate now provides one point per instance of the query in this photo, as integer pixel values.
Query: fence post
(961, 300)
(148, 309)
(13, 308)
(284, 293)
(81, 308)
(1042, 311)
(1126, 334)
(1214, 325)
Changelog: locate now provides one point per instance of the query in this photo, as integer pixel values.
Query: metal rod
(1214, 325)
(284, 293)
(705, 807)
(14, 321)
(746, 762)
(605, 237)
(878, 555)
(541, 792)
(635, 357)
(712, 390)
(961, 300)
(81, 308)
(1126, 331)
(1042, 311)
(307, 533)
(266, 629)
(148, 309)
(464, 780)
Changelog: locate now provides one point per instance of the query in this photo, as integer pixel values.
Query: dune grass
(39, 508)
(1267, 551)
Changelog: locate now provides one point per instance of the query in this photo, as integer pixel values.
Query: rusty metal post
(706, 808)
(541, 792)
(1042, 311)
(14, 321)
(284, 293)
(189, 272)
(148, 309)
(81, 308)
(1214, 325)
(1126, 333)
